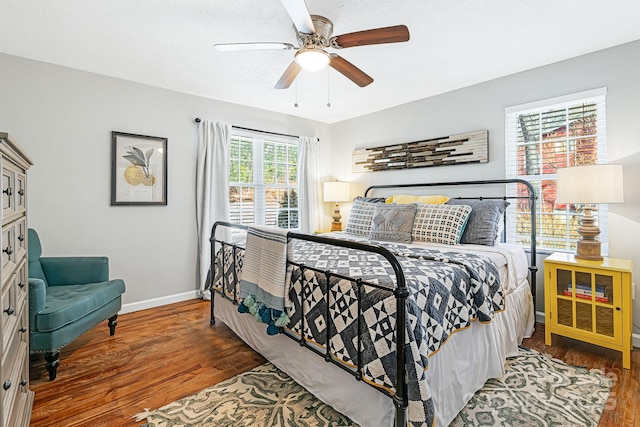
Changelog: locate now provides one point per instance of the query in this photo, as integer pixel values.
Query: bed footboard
(226, 259)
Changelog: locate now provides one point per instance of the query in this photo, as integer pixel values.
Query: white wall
(482, 107)
(63, 118)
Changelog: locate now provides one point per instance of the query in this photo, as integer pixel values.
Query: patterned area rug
(536, 391)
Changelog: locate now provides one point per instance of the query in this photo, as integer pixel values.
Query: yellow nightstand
(589, 301)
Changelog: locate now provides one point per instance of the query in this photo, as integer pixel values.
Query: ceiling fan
(314, 34)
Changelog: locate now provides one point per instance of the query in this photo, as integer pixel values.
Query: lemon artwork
(139, 172)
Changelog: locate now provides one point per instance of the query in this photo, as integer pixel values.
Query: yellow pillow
(406, 198)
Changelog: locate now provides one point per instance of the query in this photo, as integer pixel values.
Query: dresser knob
(21, 192)
(6, 385)
(8, 191)
(10, 310)
(23, 382)
(21, 284)
(21, 237)
(23, 329)
(8, 250)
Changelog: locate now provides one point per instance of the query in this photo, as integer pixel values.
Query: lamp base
(589, 247)
(589, 250)
(336, 225)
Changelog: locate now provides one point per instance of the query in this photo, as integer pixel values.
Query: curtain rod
(197, 120)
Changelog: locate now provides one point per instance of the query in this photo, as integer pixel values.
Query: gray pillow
(484, 220)
(370, 199)
(392, 223)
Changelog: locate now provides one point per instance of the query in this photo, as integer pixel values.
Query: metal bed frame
(401, 292)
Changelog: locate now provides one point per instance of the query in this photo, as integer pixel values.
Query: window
(263, 180)
(541, 137)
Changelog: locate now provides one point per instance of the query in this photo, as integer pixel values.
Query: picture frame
(138, 169)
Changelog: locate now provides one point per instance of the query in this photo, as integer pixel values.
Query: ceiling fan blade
(297, 10)
(289, 76)
(398, 33)
(229, 47)
(350, 71)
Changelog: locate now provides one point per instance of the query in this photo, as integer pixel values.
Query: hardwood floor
(160, 355)
(156, 356)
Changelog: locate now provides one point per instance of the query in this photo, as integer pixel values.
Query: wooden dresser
(17, 399)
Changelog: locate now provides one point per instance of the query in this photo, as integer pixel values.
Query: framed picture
(138, 169)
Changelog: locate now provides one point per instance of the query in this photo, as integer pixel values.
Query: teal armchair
(67, 297)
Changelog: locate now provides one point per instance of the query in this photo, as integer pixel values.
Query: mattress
(459, 368)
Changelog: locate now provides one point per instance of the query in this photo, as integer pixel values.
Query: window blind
(540, 138)
(263, 184)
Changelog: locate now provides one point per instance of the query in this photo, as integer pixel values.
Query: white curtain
(212, 189)
(310, 207)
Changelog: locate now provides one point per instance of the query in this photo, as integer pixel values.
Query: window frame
(595, 96)
(261, 210)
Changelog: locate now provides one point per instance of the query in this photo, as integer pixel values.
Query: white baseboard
(635, 338)
(157, 302)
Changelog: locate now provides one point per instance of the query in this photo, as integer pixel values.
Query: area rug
(536, 391)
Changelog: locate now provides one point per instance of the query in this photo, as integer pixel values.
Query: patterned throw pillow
(484, 223)
(393, 223)
(360, 217)
(440, 223)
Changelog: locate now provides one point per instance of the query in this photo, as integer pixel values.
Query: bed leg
(401, 416)
(212, 320)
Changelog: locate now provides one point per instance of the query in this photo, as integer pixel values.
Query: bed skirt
(458, 369)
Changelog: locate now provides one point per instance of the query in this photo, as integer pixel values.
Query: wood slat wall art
(470, 147)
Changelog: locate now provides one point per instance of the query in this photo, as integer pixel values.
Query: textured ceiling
(169, 43)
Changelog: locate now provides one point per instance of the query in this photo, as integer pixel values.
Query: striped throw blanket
(264, 282)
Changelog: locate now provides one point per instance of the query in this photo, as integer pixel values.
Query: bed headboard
(531, 197)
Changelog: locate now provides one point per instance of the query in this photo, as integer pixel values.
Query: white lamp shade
(336, 191)
(591, 184)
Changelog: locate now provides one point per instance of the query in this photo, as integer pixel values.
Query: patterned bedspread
(448, 290)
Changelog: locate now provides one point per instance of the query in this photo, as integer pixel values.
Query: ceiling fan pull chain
(328, 89)
(296, 103)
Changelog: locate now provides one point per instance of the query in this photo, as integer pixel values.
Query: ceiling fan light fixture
(312, 58)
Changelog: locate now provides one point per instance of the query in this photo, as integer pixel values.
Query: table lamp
(593, 184)
(334, 192)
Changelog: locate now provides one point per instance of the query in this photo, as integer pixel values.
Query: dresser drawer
(13, 340)
(8, 245)
(9, 319)
(20, 281)
(21, 192)
(21, 238)
(8, 184)
(12, 383)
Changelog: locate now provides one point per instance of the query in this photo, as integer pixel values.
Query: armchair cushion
(75, 270)
(70, 303)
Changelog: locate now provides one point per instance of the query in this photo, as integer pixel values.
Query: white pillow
(440, 223)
